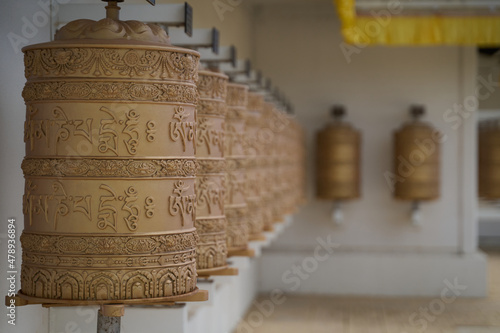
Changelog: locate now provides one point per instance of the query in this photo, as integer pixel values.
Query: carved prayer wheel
(279, 124)
(255, 169)
(210, 181)
(109, 204)
(236, 207)
(416, 160)
(267, 136)
(338, 160)
(489, 160)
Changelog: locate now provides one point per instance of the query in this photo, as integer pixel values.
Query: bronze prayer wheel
(489, 160)
(338, 161)
(211, 222)
(416, 160)
(236, 207)
(109, 202)
(255, 170)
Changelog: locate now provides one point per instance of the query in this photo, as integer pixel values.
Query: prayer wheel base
(220, 271)
(250, 253)
(196, 295)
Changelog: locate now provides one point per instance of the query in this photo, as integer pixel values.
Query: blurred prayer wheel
(236, 208)
(416, 160)
(279, 124)
(109, 203)
(255, 169)
(338, 163)
(211, 223)
(489, 160)
(267, 137)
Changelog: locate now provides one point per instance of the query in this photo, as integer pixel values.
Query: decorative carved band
(98, 90)
(107, 244)
(236, 113)
(111, 62)
(211, 251)
(99, 284)
(108, 262)
(210, 166)
(234, 213)
(255, 102)
(210, 226)
(237, 233)
(233, 163)
(211, 108)
(212, 85)
(237, 95)
(59, 167)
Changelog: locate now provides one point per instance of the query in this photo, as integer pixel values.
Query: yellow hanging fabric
(417, 30)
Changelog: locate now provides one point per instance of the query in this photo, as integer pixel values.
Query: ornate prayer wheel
(416, 160)
(255, 170)
(109, 203)
(279, 124)
(489, 160)
(236, 208)
(210, 181)
(267, 137)
(293, 166)
(338, 160)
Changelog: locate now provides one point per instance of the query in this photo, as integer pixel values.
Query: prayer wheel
(255, 170)
(267, 137)
(236, 207)
(109, 202)
(279, 124)
(416, 160)
(211, 222)
(489, 160)
(338, 160)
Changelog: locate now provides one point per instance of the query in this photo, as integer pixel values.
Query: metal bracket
(243, 67)
(227, 54)
(201, 38)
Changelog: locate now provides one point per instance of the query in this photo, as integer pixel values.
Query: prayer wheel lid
(338, 112)
(111, 32)
(417, 112)
(111, 28)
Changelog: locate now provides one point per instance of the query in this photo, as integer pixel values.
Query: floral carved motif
(128, 91)
(59, 167)
(108, 245)
(110, 62)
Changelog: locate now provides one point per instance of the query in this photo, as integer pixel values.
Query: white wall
(12, 115)
(298, 47)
